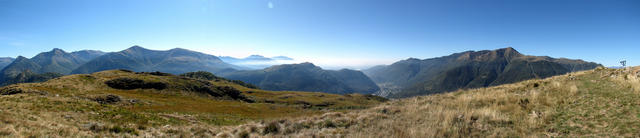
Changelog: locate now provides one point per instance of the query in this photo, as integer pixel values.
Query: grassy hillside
(595, 103)
(124, 103)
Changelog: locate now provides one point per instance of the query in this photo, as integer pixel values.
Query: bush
(11, 90)
(108, 99)
(231, 92)
(328, 124)
(202, 86)
(130, 83)
(125, 70)
(272, 128)
(203, 75)
(242, 83)
(118, 129)
(157, 73)
(243, 134)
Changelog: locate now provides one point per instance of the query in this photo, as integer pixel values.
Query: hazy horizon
(353, 34)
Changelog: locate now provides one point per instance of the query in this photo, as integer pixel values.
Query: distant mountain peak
(282, 58)
(20, 58)
(88, 51)
(136, 48)
(256, 57)
(57, 51)
(306, 64)
(509, 51)
(179, 49)
(508, 48)
(413, 58)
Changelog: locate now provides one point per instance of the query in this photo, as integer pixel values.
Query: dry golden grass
(596, 103)
(66, 107)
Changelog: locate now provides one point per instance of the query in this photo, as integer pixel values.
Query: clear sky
(329, 33)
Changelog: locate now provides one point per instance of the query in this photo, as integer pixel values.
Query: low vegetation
(209, 76)
(595, 103)
(121, 103)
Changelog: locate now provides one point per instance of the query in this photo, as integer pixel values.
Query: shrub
(156, 73)
(11, 90)
(118, 129)
(242, 83)
(231, 92)
(96, 127)
(328, 124)
(243, 134)
(108, 99)
(203, 75)
(125, 70)
(272, 128)
(131, 83)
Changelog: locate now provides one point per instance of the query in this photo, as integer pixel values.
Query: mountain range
(56, 61)
(306, 77)
(470, 69)
(139, 59)
(257, 61)
(293, 77)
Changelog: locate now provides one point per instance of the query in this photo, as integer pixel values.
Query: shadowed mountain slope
(306, 77)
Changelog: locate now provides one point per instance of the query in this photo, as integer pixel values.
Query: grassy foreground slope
(596, 103)
(123, 103)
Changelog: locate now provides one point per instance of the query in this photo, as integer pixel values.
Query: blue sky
(330, 33)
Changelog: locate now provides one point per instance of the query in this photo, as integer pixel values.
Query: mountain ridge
(44, 66)
(469, 69)
(174, 61)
